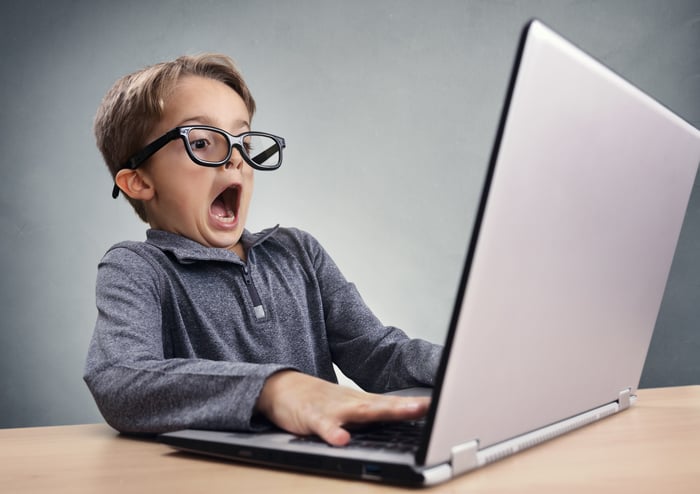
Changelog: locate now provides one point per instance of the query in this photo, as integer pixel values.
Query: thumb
(332, 433)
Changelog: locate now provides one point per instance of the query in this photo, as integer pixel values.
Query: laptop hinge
(464, 457)
(623, 399)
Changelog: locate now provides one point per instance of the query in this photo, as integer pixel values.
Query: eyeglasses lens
(208, 145)
(263, 151)
(211, 146)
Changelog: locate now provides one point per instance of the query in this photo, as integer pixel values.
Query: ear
(135, 184)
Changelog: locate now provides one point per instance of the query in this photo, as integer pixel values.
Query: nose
(235, 161)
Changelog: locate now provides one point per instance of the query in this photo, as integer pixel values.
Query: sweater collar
(188, 251)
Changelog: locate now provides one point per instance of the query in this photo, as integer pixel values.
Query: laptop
(571, 248)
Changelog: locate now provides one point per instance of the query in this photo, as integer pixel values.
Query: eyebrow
(203, 120)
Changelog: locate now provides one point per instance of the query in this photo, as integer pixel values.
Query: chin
(224, 240)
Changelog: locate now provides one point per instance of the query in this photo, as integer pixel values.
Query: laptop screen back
(587, 191)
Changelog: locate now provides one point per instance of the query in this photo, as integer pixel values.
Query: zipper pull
(258, 308)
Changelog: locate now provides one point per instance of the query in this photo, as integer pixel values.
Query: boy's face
(207, 205)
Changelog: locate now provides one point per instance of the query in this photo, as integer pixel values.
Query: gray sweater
(186, 335)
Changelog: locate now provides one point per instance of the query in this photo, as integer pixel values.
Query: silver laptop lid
(572, 247)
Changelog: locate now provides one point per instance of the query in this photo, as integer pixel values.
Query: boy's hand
(303, 404)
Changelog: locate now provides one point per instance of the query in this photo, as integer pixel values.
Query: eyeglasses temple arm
(261, 157)
(136, 160)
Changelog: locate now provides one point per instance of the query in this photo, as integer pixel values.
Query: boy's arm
(139, 391)
(378, 358)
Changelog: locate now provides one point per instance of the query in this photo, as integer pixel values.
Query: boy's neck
(239, 250)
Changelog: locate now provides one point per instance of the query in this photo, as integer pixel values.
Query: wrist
(273, 386)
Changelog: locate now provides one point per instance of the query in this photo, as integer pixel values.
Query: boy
(206, 325)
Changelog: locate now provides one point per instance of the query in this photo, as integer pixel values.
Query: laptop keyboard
(402, 437)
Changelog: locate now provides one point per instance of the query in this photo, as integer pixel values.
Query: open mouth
(225, 206)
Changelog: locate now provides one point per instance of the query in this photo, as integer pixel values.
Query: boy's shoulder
(159, 243)
(293, 241)
(128, 248)
(290, 235)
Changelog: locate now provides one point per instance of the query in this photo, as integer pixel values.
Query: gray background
(389, 109)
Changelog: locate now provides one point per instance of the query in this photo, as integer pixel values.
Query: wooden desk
(652, 447)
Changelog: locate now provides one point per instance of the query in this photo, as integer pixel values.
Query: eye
(199, 144)
(247, 145)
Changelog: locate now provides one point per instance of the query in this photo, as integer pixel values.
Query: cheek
(246, 197)
(249, 182)
(181, 187)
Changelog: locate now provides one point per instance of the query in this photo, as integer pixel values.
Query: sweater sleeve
(136, 388)
(378, 358)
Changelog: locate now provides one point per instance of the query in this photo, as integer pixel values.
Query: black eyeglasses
(212, 147)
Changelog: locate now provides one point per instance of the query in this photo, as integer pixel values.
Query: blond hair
(135, 103)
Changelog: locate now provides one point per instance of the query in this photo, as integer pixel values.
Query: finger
(332, 433)
(413, 408)
(387, 408)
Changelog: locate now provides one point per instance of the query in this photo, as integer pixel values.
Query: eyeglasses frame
(235, 141)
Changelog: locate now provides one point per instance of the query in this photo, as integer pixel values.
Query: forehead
(196, 99)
